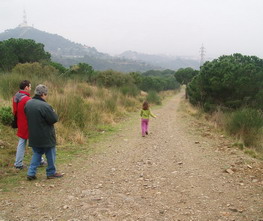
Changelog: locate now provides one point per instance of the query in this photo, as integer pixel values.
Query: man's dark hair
(23, 84)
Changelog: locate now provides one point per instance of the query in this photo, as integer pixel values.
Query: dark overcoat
(41, 118)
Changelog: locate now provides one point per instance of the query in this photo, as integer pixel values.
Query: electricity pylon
(202, 54)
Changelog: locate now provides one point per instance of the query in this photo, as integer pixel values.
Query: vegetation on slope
(232, 85)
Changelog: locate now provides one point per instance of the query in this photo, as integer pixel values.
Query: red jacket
(19, 101)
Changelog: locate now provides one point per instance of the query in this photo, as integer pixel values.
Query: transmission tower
(24, 18)
(24, 23)
(202, 54)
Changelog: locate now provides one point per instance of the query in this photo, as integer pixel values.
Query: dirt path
(177, 172)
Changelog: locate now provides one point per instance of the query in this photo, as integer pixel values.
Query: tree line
(233, 86)
(231, 82)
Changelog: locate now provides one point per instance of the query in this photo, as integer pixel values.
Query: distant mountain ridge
(169, 62)
(69, 53)
(54, 44)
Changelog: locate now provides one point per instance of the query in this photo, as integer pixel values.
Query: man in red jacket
(19, 101)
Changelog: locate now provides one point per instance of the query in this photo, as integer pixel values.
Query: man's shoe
(21, 167)
(56, 175)
(31, 177)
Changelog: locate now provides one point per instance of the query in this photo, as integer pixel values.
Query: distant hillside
(54, 43)
(68, 53)
(163, 61)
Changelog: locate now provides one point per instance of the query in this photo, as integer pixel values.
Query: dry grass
(96, 106)
(168, 93)
(78, 137)
(84, 112)
(189, 109)
(219, 121)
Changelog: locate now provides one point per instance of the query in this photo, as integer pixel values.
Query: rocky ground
(183, 170)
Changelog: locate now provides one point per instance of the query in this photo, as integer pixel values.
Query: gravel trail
(183, 170)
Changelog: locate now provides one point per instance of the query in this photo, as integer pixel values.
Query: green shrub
(258, 104)
(234, 104)
(59, 67)
(130, 90)
(112, 78)
(247, 124)
(153, 97)
(6, 115)
(35, 69)
(233, 81)
(208, 107)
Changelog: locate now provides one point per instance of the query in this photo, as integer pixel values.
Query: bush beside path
(183, 170)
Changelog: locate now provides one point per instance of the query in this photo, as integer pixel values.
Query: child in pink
(145, 115)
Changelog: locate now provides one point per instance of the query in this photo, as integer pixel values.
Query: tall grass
(85, 91)
(246, 124)
(110, 104)
(84, 110)
(9, 85)
(71, 109)
(130, 90)
(35, 73)
(85, 107)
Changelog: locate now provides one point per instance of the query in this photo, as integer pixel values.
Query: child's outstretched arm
(151, 114)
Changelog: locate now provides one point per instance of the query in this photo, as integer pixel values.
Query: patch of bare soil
(183, 170)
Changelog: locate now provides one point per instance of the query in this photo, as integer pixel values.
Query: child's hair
(145, 105)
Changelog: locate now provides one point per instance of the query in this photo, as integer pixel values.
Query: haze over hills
(69, 53)
(169, 62)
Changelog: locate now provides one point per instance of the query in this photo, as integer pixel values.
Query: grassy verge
(243, 127)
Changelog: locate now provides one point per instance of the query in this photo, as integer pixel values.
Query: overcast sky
(174, 27)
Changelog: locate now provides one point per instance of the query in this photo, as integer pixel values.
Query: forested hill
(55, 44)
(69, 53)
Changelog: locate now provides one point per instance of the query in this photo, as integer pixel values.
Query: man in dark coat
(42, 138)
